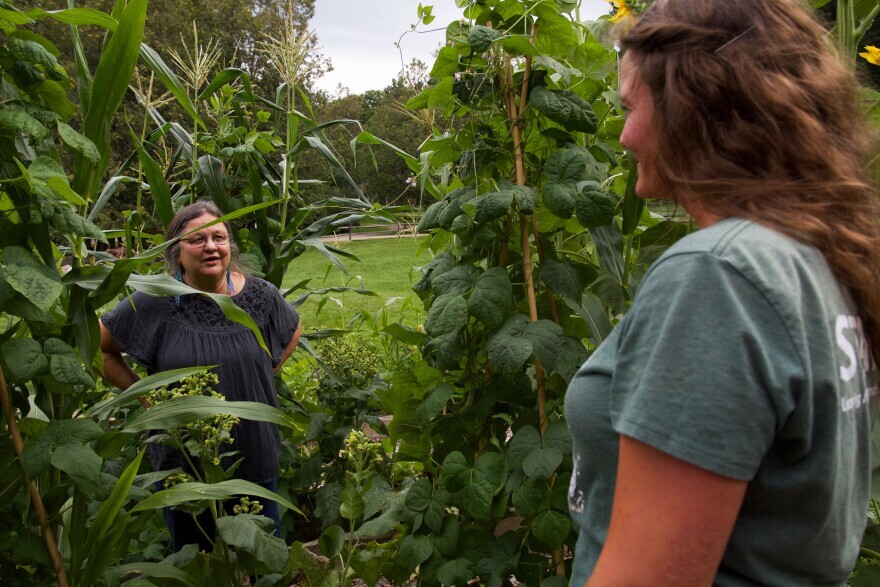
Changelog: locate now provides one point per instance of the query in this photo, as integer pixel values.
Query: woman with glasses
(721, 432)
(162, 333)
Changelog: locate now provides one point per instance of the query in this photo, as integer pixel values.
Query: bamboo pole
(48, 536)
(528, 272)
(559, 553)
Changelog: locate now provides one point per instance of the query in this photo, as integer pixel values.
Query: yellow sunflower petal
(871, 54)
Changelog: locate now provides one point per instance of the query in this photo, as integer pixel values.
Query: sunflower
(872, 54)
(621, 10)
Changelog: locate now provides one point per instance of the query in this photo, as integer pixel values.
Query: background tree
(382, 175)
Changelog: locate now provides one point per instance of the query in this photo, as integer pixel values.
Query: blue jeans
(184, 530)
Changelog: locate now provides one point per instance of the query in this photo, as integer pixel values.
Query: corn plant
(69, 474)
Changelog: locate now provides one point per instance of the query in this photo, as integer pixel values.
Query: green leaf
(419, 101)
(78, 143)
(456, 281)
(160, 570)
(526, 198)
(480, 38)
(24, 359)
(551, 527)
(414, 550)
(508, 349)
(455, 471)
(39, 284)
(518, 45)
(556, 34)
(69, 221)
(541, 462)
(441, 94)
(433, 404)
(314, 567)
(418, 498)
(99, 530)
(492, 298)
(184, 492)
(326, 153)
(371, 559)
(446, 63)
(253, 534)
(446, 540)
(82, 464)
(493, 467)
(593, 313)
(65, 365)
(455, 572)
(164, 73)
(181, 410)
(867, 576)
(158, 184)
(211, 171)
(14, 121)
(633, 205)
(352, 506)
(448, 315)
(331, 540)
(37, 453)
(404, 334)
(111, 187)
(565, 108)
(489, 206)
(567, 166)
(524, 440)
(562, 278)
(547, 338)
(33, 52)
(434, 516)
(594, 207)
(143, 386)
(14, 17)
(609, 246)
(227, 77)
(381, 498)
(559, 198)
(531, 497)
(60, 187)
(477, 495)
(558, 436)
(112, 76)
(75, 16)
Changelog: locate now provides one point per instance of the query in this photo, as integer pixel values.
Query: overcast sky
(359, 37)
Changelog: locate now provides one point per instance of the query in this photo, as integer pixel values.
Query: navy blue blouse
(162, 334)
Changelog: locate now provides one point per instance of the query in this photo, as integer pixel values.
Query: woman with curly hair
(721, 432)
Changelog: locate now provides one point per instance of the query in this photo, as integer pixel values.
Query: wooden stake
(51, 545)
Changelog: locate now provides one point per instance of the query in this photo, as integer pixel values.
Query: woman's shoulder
(257, 286)
(758, 252)
(140, 301)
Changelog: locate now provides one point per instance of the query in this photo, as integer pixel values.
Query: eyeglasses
(201, 241)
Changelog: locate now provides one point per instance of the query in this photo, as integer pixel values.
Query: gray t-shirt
(161, 333)
(741, 355)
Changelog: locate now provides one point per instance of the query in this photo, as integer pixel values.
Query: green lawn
(386, 267)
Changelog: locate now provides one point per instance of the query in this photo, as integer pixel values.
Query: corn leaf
(112, 76)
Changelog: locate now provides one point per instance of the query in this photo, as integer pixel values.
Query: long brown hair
(758, 118)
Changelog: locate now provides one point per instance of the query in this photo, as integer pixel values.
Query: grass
(386, 267)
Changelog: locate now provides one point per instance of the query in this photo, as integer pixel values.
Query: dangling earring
(230, 287)
(180, 279)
